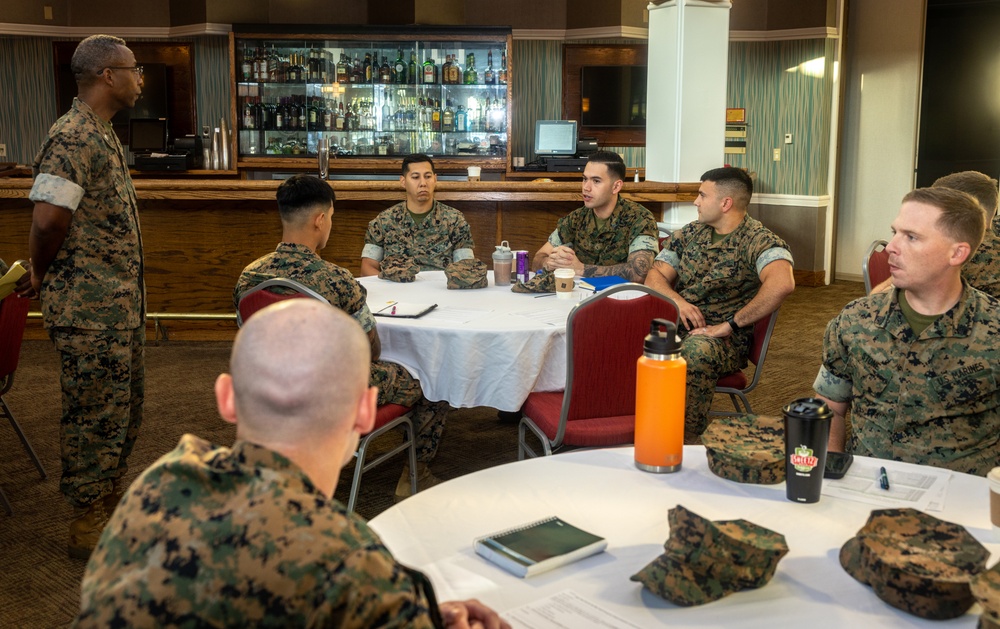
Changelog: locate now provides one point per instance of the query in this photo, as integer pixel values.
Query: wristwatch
(732, 323)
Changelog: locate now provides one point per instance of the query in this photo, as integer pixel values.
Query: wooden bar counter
(198, 235)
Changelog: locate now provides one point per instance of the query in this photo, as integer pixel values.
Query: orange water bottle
(660, 386)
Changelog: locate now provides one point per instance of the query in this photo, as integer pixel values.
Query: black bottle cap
(662, 338)
(808, 408)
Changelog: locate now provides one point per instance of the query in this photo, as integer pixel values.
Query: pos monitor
(147, 135)
(555, 138)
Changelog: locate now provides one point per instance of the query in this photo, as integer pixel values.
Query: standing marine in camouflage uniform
(86, 256)
(251, 536)
(306, 207)
(919, 366)
(725, 271)
(609, 235)
(982, 270)
(432, 234)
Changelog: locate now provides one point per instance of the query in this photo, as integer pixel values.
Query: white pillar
(686, 94)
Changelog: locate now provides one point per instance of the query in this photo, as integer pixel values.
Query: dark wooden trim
(812, 279)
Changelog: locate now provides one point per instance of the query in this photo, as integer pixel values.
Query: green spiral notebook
(539, 546)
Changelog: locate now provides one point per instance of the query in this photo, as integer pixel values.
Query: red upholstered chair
(13, 316)
(262, 296)
(604, 338)
(875, 266)
(388, 416)
(735, 384)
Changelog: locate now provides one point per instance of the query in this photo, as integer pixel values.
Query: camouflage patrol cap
(916, 562)
(469, 273)
(398, 269)
(746, 449)
(543, 282)
(705, 561)
(986, 588)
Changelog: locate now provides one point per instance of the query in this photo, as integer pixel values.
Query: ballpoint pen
(883, 479)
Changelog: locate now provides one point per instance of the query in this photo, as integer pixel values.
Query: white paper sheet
(565, 610)
(924, 488)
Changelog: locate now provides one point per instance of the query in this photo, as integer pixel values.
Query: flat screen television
(555, 138)
(147, 135)
(613, 96)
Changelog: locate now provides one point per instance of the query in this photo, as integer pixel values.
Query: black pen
(883, 479)
(544, 295)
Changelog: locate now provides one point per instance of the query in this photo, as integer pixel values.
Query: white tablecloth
(483, 347)
(601, 491)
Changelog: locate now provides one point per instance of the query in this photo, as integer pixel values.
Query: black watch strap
(732, 323)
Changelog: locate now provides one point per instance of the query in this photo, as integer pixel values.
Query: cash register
(147, 140)
(556, 146)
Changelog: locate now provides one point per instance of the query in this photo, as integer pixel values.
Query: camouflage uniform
(996, 224)
(93, 301)
(719, 279)
(338, 286)
(931, 399)
(242, 538)
(983, 269)
(630, 228)
(441, 238)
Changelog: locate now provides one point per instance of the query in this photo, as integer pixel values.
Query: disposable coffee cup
(807, 430)
(564, 283)
(994, 478)
(474, 173)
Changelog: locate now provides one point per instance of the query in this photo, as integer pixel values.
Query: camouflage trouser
(397, 386)
(102, 393)
(707, 359)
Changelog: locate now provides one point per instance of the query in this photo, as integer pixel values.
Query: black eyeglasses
(136, 69)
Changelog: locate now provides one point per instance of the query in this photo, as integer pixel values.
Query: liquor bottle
(273, 66)
(329, 115)
(356, 71)
(436, 116)
(455, 71)
(429, 72)
(303, 114)
(366, 68)
(411, 71)
(342, 69)
(446, 70)
(461, 119)
(448, 117)
(384, 71)
(399, 69)
(248, 117)
(471, 76)
(246, 66)
(291, 75)
(503, 67)
(489, 77)
(344, 118)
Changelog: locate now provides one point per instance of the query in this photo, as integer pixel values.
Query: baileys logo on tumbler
(803, 460)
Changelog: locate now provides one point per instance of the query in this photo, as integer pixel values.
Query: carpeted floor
(39, 585)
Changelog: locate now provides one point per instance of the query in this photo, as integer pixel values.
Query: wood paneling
(575, 56)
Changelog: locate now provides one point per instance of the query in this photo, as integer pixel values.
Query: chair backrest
(762, 337)
(13, 317)
(263, 295)
(875, 266)
(604, 338)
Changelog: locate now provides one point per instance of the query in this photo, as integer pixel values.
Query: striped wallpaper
(777, 101)
(780, 101)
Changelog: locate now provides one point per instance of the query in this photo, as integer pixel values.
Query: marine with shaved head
(251, 535)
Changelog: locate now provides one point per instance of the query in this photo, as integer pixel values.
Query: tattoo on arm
(634, 269)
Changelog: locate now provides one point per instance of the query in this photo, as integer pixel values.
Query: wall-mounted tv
(613, 96)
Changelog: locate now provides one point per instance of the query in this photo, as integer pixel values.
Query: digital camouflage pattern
(400, 269)
(466, 274)
(95, 281)
(996, 225)
(931, 399)
(212, 536)
(986, 588)
(705, 561)
(542, 282)
(983, 270)
(746, 448)
(93, 300)
(441, 238)
(337, 285)
(719, 279)
(916, 562)
(630, 228)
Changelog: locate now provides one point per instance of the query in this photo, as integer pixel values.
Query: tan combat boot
(424, 480)
(86, 529)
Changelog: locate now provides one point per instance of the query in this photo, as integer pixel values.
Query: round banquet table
(601, 491)
(482, 347)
